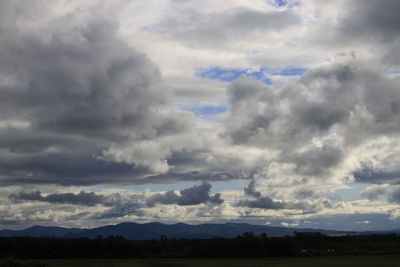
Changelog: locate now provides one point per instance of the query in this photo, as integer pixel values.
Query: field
(361, 261)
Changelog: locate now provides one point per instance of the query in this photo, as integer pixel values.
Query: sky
(281, 113)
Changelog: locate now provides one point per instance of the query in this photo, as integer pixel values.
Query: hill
(136, 231)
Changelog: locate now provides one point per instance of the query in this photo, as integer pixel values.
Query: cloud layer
(101, 95)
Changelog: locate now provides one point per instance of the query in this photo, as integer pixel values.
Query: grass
(342, 261)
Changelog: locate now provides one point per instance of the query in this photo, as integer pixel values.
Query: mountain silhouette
(136, 231)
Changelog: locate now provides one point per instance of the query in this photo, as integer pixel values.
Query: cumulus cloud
(316, 123)
(190, 196)
(268, 203)
(92, 81)
(81, 107)
(105, 207)
(153, 204)
(298, 203)
(73, 92)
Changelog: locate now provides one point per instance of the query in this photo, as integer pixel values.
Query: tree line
(245, 245)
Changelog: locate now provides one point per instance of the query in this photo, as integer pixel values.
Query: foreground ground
(362, 261)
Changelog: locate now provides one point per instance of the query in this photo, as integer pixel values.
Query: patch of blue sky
(352, 193)
(204, 111)
(289, 71)
(392, 72)
(280, 3)
(221, 74)
(263, 74)
(284, 3)
(228, 75)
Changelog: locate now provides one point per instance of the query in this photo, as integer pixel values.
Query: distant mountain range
(136, 231)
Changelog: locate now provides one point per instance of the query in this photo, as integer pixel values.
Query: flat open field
(361, 261)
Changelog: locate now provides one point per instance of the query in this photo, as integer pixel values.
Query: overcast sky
(276, 112)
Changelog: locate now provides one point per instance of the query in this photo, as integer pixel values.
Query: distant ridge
(136, 231)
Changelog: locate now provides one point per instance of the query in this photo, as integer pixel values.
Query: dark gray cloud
(373, 193)
(88, 94)
(195, 195)
(263, 203)
(371, 20)
(370, 175)
(170, 197)
(82, 198)
(250, 190)
(68, 166)
(374, 24)
(316, 161)
(267, 203)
